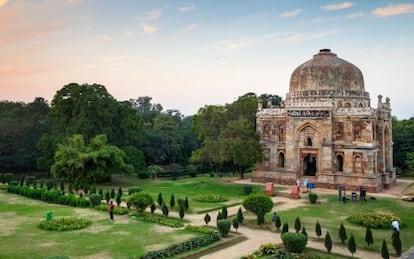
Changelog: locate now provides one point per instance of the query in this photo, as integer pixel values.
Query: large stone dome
(325, 71)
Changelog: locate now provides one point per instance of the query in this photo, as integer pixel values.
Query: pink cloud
(391, 10)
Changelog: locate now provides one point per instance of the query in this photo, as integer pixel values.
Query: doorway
(309, 165)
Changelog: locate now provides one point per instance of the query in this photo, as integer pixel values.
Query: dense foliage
(50, 196)
(224, 226)
(64, 224)
(21, 126)
(88, 164)
(228, 135)
(403, 148)
(140, 200)
(378, 219)
(176, 249)
(294, 242)
(259, 204)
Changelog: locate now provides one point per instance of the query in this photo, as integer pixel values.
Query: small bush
(313, 197)
(95, 199)
(247, 189)
(209, 197)
(224, 226)
(140, 200)
(64, 224)
(294, 242)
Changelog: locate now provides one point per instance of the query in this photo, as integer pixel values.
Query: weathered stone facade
(326, 130)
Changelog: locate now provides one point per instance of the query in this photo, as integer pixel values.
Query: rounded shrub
(259, 204)
(224, 226)
(313, 197)
(95, 199)
(140, 200)
(134, 189)
(294, 242)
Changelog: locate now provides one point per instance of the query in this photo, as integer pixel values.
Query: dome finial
(325, 50)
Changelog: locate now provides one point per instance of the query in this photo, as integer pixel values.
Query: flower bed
(378, 219)
(209, 197)
(64, 224)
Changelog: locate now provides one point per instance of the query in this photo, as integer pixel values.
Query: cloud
(289, 14)
(236, 44)
(190, 27)
(355, 15)
(149, 28)
(3, 3)
(186, 8)
(151, 15)
(296, 37)
(113, 59)
(334, 7)
(391, 10)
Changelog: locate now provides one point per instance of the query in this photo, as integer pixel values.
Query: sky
(188, 54)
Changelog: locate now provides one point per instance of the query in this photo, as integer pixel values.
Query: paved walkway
(257, 237)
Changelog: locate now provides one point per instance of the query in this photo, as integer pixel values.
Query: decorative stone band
(308, 113)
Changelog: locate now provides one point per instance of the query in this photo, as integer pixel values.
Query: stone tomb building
(326, 130)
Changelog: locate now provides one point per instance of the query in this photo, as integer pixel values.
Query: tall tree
(85, 109)
(21, 126)
(403, 138)
(88, 164)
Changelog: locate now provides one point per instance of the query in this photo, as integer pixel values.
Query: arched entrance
(309, 165)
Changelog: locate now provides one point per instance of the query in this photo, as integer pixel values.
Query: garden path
(257, 237)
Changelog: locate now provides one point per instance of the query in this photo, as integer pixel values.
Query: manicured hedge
(52, 196)
(200, 229)
(185, 246)
(294, 242)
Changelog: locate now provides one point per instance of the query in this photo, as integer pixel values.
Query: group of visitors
(342, 194)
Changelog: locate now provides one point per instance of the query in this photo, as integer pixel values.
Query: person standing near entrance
(111, 210)
(298, 185)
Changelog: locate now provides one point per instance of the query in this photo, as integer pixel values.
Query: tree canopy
(88, 164)
(228, 135)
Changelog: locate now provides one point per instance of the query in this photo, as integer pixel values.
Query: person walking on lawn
(111, 210)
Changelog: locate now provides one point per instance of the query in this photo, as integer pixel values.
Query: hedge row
(185, 246)
(200, 229)
(51, 196)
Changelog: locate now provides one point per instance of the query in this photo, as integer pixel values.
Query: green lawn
(21, 238)
(189, 187)
(331, 213)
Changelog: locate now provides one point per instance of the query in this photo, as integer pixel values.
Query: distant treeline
(219, 138)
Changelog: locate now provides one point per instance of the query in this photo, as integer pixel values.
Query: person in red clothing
(111, 210)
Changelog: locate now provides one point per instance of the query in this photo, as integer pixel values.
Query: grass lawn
(21, 238)
(189, 187)
(331, 213)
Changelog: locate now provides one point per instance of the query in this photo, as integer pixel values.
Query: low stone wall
(351, 182)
